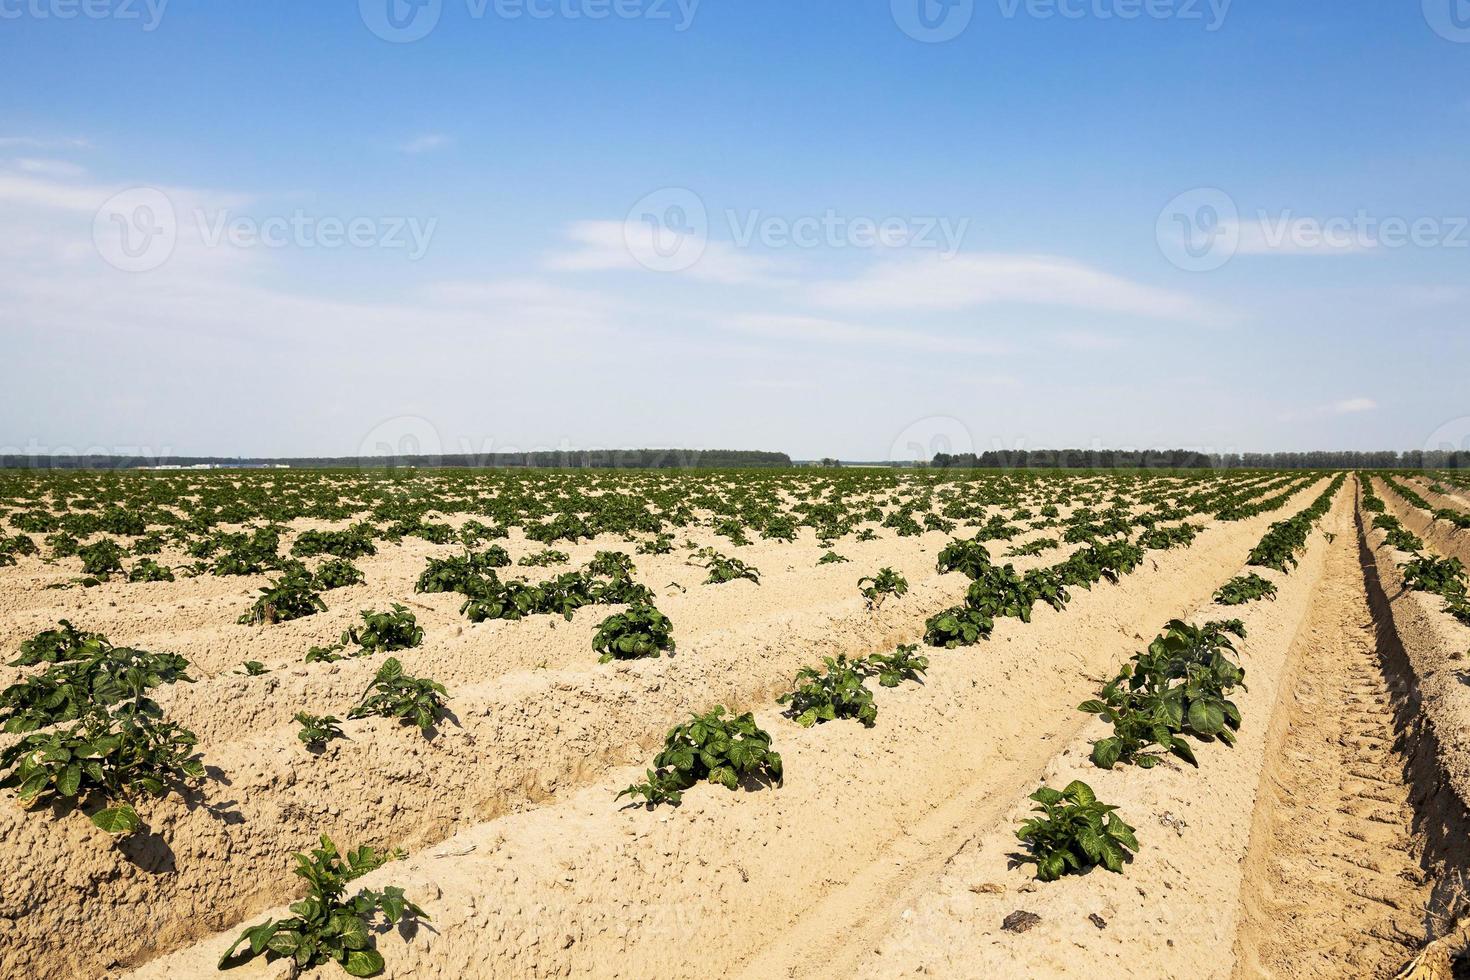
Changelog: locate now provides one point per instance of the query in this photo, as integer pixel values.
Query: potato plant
(394, 694)
(836, 692)
(903, 664)
(461, 573)
(723, 569)
(92, 734)
(1245, 588)
(326, 926)
(1074, 832)
(355, 542)
(337, 573)
(292, 596)
(1177, 687)
(317, 730)
(968, 557)
(710, 748)
(148, 570)
(879, 586)
(382, 632)
(101, 559)
(640, 631)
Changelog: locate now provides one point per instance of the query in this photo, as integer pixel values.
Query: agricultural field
(775, 723)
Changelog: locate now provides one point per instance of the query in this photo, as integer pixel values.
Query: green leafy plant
(326, 926)
(968, 557)
(1176, 687)
(337, 573)
(93, 735)
(462, 573)
(541, 559)
(292, 596)
(709, 747)
(903, 664)
(317, 730)
(355, 542)
(886, 582)
(55, 646)
(640, 631)
(394, 694)
(837, 692)
(1075, 832)
(660, 544)
(1245, 588)
(725, 569)
(1032, 549)
(832, 558)
(102, 558)
(384, 632)
(1427, 573)
(254, 668)
(148, 570)
(957, 626)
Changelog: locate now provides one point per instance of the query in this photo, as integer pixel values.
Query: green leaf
(363, 963)
(119, 819)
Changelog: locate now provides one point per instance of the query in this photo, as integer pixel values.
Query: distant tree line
(582, 459)
(1183, 459)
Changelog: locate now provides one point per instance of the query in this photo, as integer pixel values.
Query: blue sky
(1037, 177)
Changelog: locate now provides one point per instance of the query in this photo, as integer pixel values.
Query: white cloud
(816, 329)
(1288, 235)
(1351, 406)
(33, 143)
(48, 168)
(634, 247)
(966, 281)
(426, 143)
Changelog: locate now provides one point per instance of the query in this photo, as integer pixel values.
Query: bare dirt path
(1336, 888)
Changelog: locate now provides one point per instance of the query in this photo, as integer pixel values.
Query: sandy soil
(577, 887)
(1312, 848)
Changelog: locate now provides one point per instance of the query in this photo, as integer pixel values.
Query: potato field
(786, 723)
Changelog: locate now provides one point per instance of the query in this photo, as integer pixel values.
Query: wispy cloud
(1288, 235)
(634, 247)
(817, 330)
(1345, 406)
(48, 168)
(974, 280)
(37, 143)
(426, 143)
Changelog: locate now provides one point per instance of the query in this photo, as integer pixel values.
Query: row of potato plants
(1424, 571)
